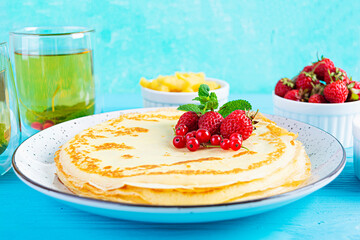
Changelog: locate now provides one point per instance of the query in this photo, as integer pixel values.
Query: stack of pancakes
(131, 159)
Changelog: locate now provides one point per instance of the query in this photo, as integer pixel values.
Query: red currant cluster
(41, 126)
(202, 137)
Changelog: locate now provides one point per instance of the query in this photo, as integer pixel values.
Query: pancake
(131, 159)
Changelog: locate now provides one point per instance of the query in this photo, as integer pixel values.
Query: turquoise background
(250, 44)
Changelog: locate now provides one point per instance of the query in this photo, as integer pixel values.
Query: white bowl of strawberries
(321, 95)
(202, 127)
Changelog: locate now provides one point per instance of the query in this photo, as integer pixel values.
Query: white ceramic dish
(356, 133)
(335, 119)
(34, 164)
(152, 98)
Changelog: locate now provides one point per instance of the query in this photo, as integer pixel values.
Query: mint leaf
(190, 107)
(204, 90)
(62, 113)
(202, 107)
(213, 97)
(208, 101)
(202, 99)
(231, 106)
(213, 102)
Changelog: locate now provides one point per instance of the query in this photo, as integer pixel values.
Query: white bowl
(356, 133)
(334, 118)
(153, 98)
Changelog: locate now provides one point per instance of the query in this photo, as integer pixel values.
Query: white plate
(33, 163)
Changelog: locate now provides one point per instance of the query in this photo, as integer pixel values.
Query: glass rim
(67, 30)
(3, 43)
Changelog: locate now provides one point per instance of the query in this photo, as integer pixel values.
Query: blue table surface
(333, 212)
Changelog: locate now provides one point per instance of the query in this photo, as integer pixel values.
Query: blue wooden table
(330, 213)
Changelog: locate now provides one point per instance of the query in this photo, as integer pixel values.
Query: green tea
(4, 114)
(4, 137)
(54, 88)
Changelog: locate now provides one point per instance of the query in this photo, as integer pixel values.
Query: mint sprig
(231, 106)
(204, 90)
(190, 107)
(209, 102)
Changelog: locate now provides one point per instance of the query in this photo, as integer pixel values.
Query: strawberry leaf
(231, 106)
(351, 85)
(354, 97)
(190, 107)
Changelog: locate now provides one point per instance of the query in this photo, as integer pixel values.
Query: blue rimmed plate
(33, 163)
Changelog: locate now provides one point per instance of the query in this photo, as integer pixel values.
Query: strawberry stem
(316, 65)
(331, 80)
(254, 115)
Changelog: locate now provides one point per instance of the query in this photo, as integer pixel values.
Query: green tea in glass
(5, 126)
(54, 75)
(9, 116)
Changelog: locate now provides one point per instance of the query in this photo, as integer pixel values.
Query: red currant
(235, 144)
(193, 144)
(235, 136)
(189, 135)
(179, 141)
(49, 121)
(215, 139)
(203, 135)
(37, 126)
(47, 125)
(181, 130)
(225, 144)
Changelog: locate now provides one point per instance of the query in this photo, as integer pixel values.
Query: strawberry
(190, 119)
(211, 121)
(322, 66)
(335, 74)
(317, 98)
(293, 95)
(308, 68)
(283, 86)
(237, 122)
(336, 92)
(354, 91)
(306, 81)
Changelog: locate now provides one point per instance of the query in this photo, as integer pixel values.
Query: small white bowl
(356, 133)
(334, 118)
(153, 98)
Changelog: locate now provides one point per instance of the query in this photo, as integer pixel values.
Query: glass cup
(9, 116)
(54, 75)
